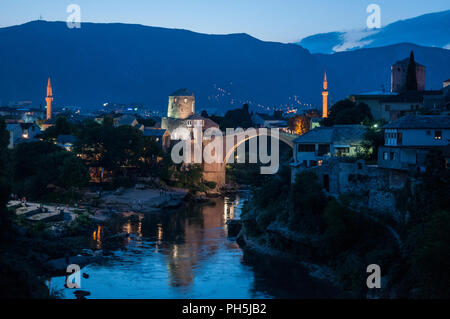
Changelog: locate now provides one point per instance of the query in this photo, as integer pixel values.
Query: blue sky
(271, 20)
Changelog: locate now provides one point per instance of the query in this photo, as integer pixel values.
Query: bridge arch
(244, 137)
(216, 172)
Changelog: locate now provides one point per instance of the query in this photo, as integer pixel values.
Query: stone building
(409, 139)
(181, 104)
(315, 146)
(399, 72)
(390, 106)
(181, 114)
(370, 186)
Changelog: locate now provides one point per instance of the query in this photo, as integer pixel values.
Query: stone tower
(181, 104)
(325, 97)
(398, 76)
(49, 100)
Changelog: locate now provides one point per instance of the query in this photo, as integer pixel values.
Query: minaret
(49, 100)
(325, 97)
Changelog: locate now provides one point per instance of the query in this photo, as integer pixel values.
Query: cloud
(353, 39)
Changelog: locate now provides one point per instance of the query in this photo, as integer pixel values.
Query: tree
(5, 220)
(62, 127)
(237, 118)
(348, 112)
(204, 114)
(431, 257)
(431, 194)
(116, 149)
(73, 173)
(411, 77)
(149, 122)
(373, 139)
(36, 165)
(308, 202)
(278, 115)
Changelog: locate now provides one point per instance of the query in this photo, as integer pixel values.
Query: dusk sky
(272, 20)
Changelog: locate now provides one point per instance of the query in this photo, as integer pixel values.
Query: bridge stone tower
(49, 100)
(181, 104)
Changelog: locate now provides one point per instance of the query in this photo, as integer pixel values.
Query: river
(187, 254)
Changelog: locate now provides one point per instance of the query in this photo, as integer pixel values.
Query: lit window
(438, 135)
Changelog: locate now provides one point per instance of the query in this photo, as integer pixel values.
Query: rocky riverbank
(317, 271)
(304, 249)
(142, 200)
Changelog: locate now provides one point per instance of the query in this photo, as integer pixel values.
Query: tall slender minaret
(49, 100)
(325, 97)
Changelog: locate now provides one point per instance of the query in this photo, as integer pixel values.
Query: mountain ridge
(417, 30)
(125, 63)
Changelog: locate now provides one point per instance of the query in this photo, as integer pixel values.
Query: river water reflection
(186, 254)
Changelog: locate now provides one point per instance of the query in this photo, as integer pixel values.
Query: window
(323, 149)
(385, 156)
(312, 163)
(399, 138)
(438, 135)
(341, 151)
(393, 157)
(307, 148)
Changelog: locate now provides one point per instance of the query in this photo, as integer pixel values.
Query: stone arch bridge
(215, 172)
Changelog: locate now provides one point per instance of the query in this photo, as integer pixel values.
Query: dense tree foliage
(4, 182)
(234, 118)
(373, 139)
(62, 127)
(411, 76)
(148, 122)
(308, 201)
(38, 165)
(348, 112)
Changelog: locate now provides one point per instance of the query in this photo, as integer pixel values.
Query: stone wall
(370, 186)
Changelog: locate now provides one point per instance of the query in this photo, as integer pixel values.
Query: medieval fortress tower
(181, 104)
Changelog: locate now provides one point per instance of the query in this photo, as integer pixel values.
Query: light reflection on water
(186, 254)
